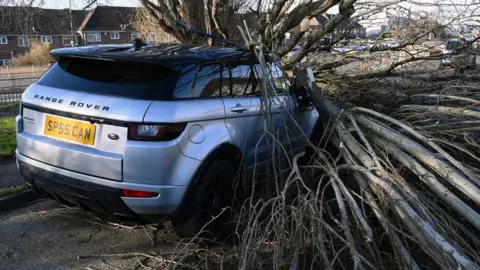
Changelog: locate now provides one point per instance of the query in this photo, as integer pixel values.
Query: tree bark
(307, 9)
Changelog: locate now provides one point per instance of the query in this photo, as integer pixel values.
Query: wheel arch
(225, 151)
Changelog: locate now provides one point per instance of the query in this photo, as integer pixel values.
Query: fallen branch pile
(399, 191)
(419, 167)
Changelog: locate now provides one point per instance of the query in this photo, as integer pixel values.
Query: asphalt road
(9, 176)
(46, 235)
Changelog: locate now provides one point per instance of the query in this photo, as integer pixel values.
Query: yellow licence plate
(70, 130)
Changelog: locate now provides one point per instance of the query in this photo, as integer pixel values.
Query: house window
(23, 41)
(151, 38)
(67, 41)
(46, 39)
(3, 40)
(114, 35)
(134, 35)
(4, 62)
(94, 37)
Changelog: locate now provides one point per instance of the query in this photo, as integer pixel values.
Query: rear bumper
(101, 195)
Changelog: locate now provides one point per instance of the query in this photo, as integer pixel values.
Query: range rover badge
(113, 136)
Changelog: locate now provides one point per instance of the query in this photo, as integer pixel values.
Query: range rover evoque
(151, 133)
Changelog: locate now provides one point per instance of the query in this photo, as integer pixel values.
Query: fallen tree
(393, 177)
(399, 192)
(393, 190)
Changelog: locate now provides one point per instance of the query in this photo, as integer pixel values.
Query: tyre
(315, 136)
(213, 196)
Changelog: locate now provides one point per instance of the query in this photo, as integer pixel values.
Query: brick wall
(57, 42)
(12, 46)
(105, 36)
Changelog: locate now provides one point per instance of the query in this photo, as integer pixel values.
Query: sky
(429, 6)
(79, 4)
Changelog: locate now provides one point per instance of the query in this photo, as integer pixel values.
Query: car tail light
(146, 132)
(138, 194)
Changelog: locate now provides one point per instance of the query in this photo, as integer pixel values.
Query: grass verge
(12, 190)
(8, 108)
(7, 137)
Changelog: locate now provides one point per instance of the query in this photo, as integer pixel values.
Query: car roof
(173, 56)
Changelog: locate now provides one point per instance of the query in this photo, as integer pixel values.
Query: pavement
(9, 176)
(46, 235)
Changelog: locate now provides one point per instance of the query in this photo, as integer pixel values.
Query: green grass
(10, 191)
(8, 108)
(7, 137)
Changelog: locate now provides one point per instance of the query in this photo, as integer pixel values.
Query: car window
(185, 82)
(113, 78)
(199, 82)
(242, 80)
(453, 45)
(212, 88)
(226, 81)
(282, 84)
(207, 82)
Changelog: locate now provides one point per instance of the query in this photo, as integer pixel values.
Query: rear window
(453, 45)
(111, 78)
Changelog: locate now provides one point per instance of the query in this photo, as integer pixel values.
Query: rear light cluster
(150, 132)
(138, 194)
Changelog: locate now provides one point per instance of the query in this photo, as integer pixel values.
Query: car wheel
(315, 136)
(213, 197)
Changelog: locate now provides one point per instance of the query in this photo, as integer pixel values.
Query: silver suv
(151, 133)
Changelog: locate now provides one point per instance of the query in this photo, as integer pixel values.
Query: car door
(295, 123)
(240, 95)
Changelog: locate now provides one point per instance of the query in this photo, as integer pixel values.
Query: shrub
(39, 54)
(7, 138)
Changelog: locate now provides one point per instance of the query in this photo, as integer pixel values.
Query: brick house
(347, 28)
(108, 24)
(20, 27)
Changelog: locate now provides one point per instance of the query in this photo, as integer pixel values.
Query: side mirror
(303, 97)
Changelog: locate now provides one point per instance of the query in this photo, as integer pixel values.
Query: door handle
(239, 108)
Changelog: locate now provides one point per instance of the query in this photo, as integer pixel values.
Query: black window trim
(57, 65)
(251, 65)
(223, 65)
(200, 67)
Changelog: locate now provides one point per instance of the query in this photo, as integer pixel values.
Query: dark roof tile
(38, 21)
(109, 18)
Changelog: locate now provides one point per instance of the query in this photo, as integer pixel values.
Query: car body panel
(157, 163)
(188, 110)
(246, 127)
(214, 133)
(208, 117)
(86, 104)
(70, 156)
(104, 158)
(165, 203)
